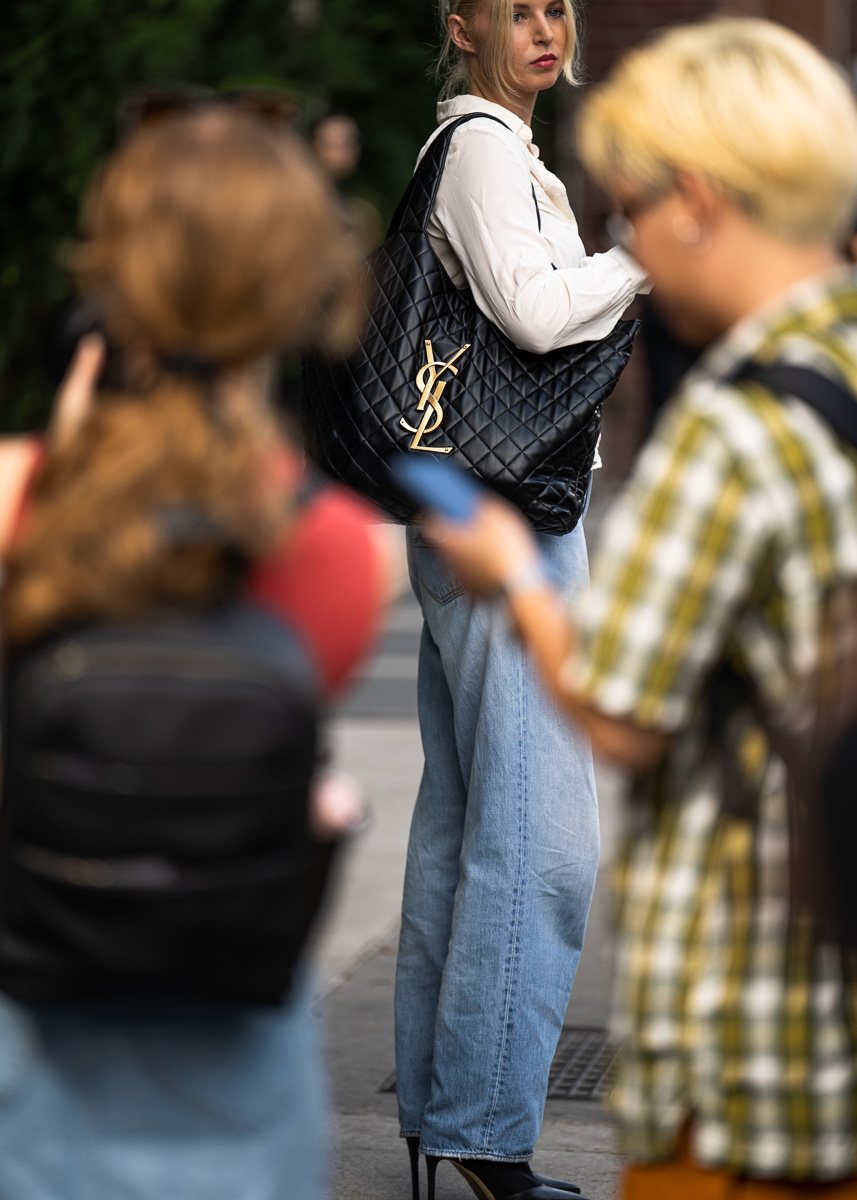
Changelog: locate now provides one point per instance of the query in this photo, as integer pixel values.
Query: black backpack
(153, 827)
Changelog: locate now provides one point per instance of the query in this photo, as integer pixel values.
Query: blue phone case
(437, 485)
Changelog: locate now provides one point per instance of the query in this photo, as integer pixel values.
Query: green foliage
(65, 64)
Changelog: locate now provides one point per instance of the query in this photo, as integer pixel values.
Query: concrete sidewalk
(355, 960)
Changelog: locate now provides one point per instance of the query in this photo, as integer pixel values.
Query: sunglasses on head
(158, 100)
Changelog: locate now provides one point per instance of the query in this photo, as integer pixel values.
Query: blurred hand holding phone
(438, 485)
(485, 539)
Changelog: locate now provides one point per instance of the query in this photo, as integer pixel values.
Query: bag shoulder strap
(831, 400)
(416, 205)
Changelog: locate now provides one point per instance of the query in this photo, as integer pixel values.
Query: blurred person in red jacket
(336, 142)
(211, 243)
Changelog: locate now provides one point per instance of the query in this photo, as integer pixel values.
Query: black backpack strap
(837, 405)
(833, 401)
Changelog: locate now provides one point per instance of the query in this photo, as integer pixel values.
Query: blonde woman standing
(504, 843)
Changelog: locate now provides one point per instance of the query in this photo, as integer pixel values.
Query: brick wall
(609, 27)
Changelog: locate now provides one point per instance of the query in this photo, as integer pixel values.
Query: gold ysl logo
(430, 393)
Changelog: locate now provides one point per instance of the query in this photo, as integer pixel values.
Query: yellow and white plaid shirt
(740, 515)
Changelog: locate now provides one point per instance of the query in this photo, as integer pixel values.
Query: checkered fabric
(740, 515)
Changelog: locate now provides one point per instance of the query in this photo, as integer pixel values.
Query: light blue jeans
(501, 867)
(161, 1101)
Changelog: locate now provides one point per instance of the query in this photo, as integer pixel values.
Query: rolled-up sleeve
(486, 211)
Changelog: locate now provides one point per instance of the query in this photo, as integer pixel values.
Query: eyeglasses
(620, 231)
(620, 225)
(158, 100)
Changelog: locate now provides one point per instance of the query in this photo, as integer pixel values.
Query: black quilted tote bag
(434, 375)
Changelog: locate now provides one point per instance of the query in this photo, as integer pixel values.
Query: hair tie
(183, 525)
(190, 364)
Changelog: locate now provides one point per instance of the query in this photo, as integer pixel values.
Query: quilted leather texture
(526, 424)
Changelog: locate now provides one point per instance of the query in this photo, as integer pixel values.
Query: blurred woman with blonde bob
(731, 150)
(504, 842)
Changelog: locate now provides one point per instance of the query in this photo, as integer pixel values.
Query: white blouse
(485, 230)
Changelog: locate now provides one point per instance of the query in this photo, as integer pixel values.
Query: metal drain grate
(582, 1068)
(583, 1065)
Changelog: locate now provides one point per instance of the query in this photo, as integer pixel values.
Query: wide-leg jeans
(501, 866)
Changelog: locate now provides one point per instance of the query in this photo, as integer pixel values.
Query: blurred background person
(730, 149)
(335, 140)
(211, 245)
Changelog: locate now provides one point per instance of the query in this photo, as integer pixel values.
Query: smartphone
(437, 484)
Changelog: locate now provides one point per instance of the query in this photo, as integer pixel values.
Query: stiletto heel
(414, 1152)
(432, 1164)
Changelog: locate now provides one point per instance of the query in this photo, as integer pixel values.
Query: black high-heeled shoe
(502, 1181)
(561, 1185)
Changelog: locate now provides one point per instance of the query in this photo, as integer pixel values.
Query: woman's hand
(337, 807)
(490, 550)
(19, 456)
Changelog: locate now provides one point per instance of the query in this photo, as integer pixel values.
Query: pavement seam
(386, 938)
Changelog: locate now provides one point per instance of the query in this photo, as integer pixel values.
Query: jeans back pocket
(431, 573)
